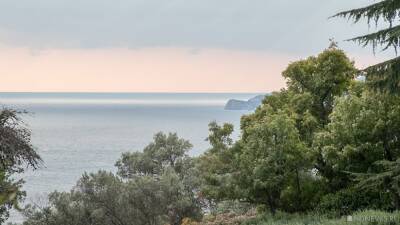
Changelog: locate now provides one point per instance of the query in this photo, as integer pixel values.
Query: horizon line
(130, 92)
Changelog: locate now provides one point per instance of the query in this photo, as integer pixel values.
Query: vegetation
(360, 218)
(16, 153)
(280, 161)
(156, 186)
(386, 75)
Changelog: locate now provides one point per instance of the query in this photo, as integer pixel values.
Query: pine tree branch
(382, 66)
(386, 9)
(385, 76)
(389, 37)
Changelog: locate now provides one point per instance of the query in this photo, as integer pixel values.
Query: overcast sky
(287, 29)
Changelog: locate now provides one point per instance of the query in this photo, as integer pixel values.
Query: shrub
(348, 201)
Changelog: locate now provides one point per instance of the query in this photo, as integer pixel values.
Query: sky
(167, 45)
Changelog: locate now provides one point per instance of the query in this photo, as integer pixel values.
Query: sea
(76, 133)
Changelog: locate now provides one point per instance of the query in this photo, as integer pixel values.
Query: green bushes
(348, 201)
(369, 217)
(153, 187)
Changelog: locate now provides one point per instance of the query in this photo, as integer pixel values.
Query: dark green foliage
(386, 177)
(367, 217)
(384, 76)
(347, 201)
(364, 128)
(312, 190)
(386, 9)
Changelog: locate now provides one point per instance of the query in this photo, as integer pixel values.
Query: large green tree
(272, 155)
(364, 131)
(319, 79)
(167, 156)
(386, 75)
(312, 86)
(274, 163)
(216, 167)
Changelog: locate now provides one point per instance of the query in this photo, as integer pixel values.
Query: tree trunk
(299, 198)
(394, 193)
(397, 201)
(396, 198)
(271, 204)
(387, 154)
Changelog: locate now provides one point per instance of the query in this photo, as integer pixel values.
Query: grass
(369, 217)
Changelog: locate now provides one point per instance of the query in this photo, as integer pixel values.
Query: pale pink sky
(144, 70)
(166, 46)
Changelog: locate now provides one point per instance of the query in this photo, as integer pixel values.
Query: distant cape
(251, 104)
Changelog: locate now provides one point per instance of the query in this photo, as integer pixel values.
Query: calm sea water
(80, 132)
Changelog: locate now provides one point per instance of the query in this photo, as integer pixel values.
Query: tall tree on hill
(386, 75)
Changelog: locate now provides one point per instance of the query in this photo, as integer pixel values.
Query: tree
(167, 157)
(370, 128)
(363, 132)
(313, 84)
(364, 128)
(386, 75)
(166, 151)
(272, 163)
(386, 177)
(216, 168)
(154, 187)
(101, 199)
(319, 79)
(272, 155)
(16, 154)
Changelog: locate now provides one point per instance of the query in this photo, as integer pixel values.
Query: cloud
(285, 25)
(144, 70)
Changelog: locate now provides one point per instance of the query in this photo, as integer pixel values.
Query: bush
(235, 207)
(229, 218)
(348, 201)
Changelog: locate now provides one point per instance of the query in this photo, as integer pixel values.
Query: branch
(387, 9)
(387, 38)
